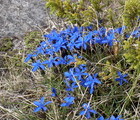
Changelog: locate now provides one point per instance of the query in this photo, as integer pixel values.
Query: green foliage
(132, 53)
(32, 39)
(82, 12)
(13, 61)
(131, 12)
(6, 44)
(109, 97)
(13, 58)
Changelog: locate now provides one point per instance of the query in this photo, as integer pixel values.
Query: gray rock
(20, 16)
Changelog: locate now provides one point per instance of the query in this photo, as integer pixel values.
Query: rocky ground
(20, 16)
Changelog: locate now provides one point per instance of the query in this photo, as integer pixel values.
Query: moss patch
(32, 39)
(6, 44)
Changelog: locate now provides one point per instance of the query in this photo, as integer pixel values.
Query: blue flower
(79, 72)
(76, 73)
(73, 43)
(59, 44)
(81, 42)
(29, 56)
(49, 51)
(69, 59)
(115, 118)
(121, 78)
(120, 30)
(58, 61)
(41, 105)
(70, 87)
(54, 92)
(88, 37)
(87, 111)
(109, 39)
(54, 61)
(70, 75)
(136, 33)
(69, 100)
(101, 118)
(102, 31)
(44, 44)
(90, 27)
(52, 36)
(75, 29)
(40, 50)
(49, 62)
(82, 67)
(38, 65)
(90, 82)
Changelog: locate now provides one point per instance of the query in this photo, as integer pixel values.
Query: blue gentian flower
(70, 87)
(115, 118)
(40, 50)
(69, 59)
(43, 44)
(82, 67)
(49, 62)
(38, 65)
(73, 44)
(87, 111)
(120, 30)
(102, 31)
(69, 100)
(54, 61)
(79, 73)
(75, 29)
(41, 105)
(101, 118)
(29, 56)
(54, 92)
(59, 44)
(58, 61)
(97, 40)
(75, 36)
(65, 33)
(109, 39)
(49, 51)
(90, 27)
(91, 81)
(52, 36)
(136, 33)
(121, 78)
(81, 42)
(70, 75)
(88, 37)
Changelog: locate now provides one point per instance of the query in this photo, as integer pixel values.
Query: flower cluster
(41, 105)
(111, 118)
(74, 77)
(70, 40)
(69, 100)
(121, 78)
(87, 111)
(77, 76)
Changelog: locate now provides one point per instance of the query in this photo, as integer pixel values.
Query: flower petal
(82, 113)
(37, 109)
(93, 111)
(63, 105)
(48, 102)
(37, 103)
(42, 100)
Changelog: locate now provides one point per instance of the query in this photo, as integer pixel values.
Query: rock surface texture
(20, 16)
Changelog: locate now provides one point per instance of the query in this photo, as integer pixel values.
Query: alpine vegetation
(89, 60)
